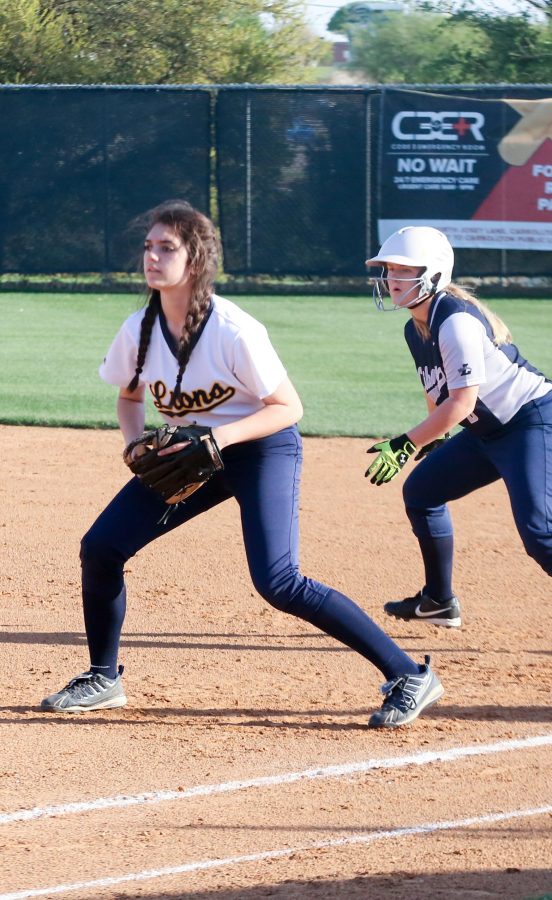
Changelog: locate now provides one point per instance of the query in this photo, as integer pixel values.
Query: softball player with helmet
(204, 359)
(473, 376)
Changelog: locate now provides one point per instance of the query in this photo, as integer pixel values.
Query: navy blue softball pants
(520, 454)
(264, 477)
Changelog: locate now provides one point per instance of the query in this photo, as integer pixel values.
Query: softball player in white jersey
(473, 376)
(205, 360)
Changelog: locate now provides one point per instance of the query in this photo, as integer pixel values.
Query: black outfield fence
(78, 164)
(293, 180)
(304, 181)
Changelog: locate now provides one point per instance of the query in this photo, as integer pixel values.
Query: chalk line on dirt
(206, 864)
(343, 770)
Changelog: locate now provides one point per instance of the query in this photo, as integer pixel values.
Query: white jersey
(231, 370)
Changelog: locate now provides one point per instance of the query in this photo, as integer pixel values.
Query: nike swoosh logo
(432, 612)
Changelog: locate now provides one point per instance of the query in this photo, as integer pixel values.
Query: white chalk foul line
(205, 864)
(335, 771)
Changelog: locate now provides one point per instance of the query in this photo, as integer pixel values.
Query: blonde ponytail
(501, 332)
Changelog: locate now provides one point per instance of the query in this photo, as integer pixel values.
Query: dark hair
(198, 234)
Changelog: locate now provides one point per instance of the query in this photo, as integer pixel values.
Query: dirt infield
(216, 780)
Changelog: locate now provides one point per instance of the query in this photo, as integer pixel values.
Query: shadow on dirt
(181, 641)
(275, 718)
(508, 884)
(227, 641)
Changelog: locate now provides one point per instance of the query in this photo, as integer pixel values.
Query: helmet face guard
(418, 247)
(423, 287)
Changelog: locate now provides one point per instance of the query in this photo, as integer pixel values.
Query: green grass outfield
(348, 361)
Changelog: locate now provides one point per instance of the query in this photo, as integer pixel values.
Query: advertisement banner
(479, 170)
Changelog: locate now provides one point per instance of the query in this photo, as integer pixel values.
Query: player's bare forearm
(281, 409)
(445, 417)
(131, 415)
(266, 421)
(430, 404)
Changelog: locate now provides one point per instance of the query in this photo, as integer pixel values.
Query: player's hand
(427, 448)
(392, 456)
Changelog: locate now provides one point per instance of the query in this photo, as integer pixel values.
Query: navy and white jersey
(461, 353)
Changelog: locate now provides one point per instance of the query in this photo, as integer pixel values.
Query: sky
(320, 12)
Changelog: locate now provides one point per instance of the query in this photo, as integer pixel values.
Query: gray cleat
(406, 697)
(87, 692)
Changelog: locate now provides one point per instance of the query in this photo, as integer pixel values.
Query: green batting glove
(392, 456)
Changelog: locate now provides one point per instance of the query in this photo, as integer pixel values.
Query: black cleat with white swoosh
(424, 608)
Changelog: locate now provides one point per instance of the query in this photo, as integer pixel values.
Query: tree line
(154, 41)
(448, 43)
(268, 41)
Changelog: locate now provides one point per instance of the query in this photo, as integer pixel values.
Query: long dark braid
(196, 312)
(146, 328)
(198, 234)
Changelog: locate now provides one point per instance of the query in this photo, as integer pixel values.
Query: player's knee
(538, 545)
(97, 552)
(280, 592)
(415, 492)
(415, 509)
(426, 521)
(90, 547)
(279, 598)
(293, 593)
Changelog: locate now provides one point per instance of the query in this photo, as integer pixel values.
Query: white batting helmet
(422, 247)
